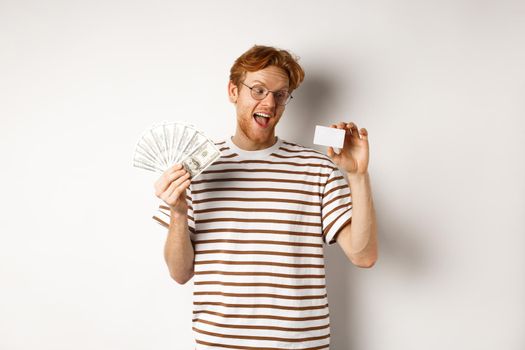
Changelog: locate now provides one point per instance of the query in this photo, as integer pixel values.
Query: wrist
(177, 214)
(354, 177)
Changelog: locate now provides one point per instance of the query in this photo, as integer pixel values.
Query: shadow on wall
(400, 256)
(311, 101)
(314, 98)
(399, 253)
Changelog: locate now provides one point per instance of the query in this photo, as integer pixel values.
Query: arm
(358, 238)
(178, 249)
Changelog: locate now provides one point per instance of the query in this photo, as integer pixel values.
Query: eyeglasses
(259, 92)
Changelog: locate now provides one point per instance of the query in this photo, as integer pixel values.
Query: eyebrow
(260, 82)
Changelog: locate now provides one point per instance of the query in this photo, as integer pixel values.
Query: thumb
(331, 153)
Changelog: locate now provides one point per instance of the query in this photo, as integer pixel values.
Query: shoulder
(224, 148)
(302, 152)
(219, 142)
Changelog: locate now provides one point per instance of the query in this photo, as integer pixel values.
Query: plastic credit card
(326, 136)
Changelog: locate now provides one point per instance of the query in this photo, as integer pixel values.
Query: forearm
(361, 242)
(178, 250)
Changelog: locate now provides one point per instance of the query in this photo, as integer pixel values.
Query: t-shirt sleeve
(162, 214)
(336, 207)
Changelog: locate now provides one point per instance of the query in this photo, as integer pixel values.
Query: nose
(269, 101)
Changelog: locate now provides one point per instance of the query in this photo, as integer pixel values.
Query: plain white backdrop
(439, 85)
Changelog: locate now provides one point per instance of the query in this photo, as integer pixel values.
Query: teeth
(264, 115)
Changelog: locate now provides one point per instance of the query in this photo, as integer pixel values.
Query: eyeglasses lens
(260, 92)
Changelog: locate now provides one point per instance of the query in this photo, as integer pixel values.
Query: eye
(259, 90)
(281, 94)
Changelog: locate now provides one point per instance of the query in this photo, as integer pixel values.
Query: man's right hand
(171, 188)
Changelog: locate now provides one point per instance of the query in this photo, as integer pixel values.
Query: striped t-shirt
(258, 221)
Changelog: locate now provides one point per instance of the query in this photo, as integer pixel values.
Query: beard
(254, 133)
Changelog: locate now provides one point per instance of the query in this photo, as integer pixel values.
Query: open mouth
(262, 119)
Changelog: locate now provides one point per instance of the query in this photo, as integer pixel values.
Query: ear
(233, 92)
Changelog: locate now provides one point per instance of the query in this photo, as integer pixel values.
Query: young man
(251, 228)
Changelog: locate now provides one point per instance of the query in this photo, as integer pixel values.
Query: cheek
(279, 113)
(246, 109)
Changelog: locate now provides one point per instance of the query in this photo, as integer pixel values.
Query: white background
(440, 86)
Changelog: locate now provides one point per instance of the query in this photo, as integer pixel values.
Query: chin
(256, 134)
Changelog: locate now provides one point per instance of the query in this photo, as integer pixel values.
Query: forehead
(274, 78)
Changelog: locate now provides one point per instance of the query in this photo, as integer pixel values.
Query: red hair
(260, 57)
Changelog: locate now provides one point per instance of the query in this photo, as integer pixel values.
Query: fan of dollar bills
(163, 145)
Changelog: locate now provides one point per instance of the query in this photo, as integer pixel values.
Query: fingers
(175, 184)
(340, 125)
(334, 156)
(180, 189)
(352, 129)
(165, 181)
(167, 178)
(364, 134)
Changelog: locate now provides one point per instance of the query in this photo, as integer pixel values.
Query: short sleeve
(336, 209)
(162, 214)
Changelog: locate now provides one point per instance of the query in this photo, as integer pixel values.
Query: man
(251, 228)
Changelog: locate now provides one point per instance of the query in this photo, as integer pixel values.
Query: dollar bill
(196, 140)
(187, 135)
(148, 144)
(201, 158)
(167, 143)
(146, 166)
(140, 152)
(157, 134)
(175, 133)
(166, 133)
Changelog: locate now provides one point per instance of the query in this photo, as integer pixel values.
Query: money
(162, 145)
(201, 158)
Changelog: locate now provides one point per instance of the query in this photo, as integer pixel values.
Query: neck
(244, 143)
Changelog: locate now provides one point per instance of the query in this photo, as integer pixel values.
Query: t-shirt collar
(254, 154)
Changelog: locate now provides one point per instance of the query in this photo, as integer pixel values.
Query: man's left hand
(354, 155)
